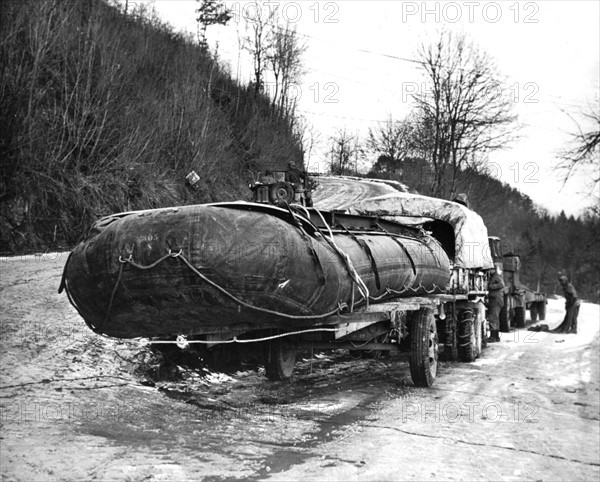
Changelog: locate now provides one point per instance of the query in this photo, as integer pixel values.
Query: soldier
(295, 175)
(569, 324)
(495, 302)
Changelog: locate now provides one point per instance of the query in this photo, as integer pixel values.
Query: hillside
(105, 112)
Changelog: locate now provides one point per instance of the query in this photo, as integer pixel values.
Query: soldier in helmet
(569, 324)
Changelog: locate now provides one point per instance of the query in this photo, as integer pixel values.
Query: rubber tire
(484, 335)
(533, 312)
(504, 320)
(477, 323)
(511, 318)
(519, 317)
(280, 359)
(541, 310)
(467, 338)
(281, 193)
(424, 347)
(450, 337)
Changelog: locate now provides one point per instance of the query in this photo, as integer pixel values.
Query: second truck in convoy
(518, 298)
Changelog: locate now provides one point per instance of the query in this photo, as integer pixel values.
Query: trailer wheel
(280, 359)
(504, 319)
(424, 348)
(467, 337)
(533, 312)
(519, 317)
(541, 309)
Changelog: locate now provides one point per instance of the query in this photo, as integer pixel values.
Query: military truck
(517, 297)
(461, 324)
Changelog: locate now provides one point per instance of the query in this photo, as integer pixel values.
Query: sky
(360, 71)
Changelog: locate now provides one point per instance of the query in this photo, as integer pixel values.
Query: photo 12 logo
(284, 12)
(320, 92)
(453, 412)
(56, 411)
(516, 92)
(472, 12)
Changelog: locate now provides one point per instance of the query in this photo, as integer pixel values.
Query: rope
(300, 206)
(112, 294)
(414, 290)
(182, 341)
(390, 291)
(326, 225)
(354, 276)
(240, 302)
(257, 308)
(150, 266)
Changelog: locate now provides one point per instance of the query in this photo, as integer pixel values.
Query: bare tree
(285, 58)
(344, 151)
(309, 138)
(260, 18)
(585, 150)
(391, 142)
(464, 110)
(210, 12)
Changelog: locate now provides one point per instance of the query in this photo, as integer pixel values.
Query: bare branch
(465, 112)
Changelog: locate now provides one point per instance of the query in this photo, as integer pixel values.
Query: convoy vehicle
(399, 272)
(517, 297)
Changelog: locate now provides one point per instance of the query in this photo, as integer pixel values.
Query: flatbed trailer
(413, 326)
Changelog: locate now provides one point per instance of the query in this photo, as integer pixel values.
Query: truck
(518, 298)
(461, 325)
(398, 273)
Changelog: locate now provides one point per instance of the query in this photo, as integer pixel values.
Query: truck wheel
(467, 337)
(280, 359)
(424, 348)
(504, 320)
(477, 323)
(450, 337)
(480, 330)
(533, 311)
(484, 335)
(542, 310)
(519, 317)
(511, 317)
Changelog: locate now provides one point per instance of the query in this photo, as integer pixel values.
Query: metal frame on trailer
(413, 320)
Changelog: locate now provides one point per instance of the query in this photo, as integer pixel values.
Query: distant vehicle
(517, 297)
(281, 188)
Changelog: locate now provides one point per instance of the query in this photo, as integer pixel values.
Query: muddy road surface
(77, 406)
